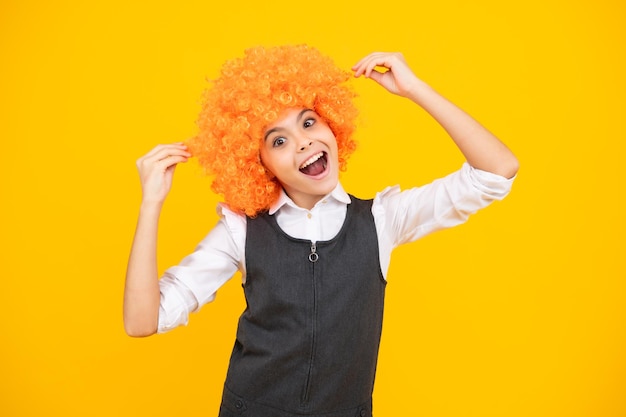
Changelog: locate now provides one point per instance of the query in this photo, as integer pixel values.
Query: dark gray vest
(307, 343)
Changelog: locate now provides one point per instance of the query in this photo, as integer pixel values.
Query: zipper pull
(313, 256)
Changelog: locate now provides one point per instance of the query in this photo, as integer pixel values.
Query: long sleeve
(195, 280)
(405, 216)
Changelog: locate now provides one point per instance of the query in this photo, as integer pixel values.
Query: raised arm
(141, 292)
(480, 147)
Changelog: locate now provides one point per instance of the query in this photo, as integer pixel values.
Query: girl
(275, 131)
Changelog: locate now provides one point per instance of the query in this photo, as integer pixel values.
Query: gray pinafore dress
(307, 342)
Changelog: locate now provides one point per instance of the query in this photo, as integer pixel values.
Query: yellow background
(519, 312)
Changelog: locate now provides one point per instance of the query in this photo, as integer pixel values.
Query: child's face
(301, 151)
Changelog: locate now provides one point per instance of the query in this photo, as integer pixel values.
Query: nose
(305, 143)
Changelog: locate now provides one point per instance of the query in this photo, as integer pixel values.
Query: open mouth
(315, 165)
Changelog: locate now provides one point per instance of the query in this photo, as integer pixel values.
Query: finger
(159, 148)
(368, 57)
(371, 66)
(160, 161)
(377, 76)
(173, 160)
(168, 163)
(172, 153)
(166, 151)
(360, 66)
(379, 59)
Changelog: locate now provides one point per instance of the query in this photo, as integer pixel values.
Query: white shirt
(400, 217)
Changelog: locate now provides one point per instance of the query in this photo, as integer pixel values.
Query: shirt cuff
(177, 301)
(494, 185)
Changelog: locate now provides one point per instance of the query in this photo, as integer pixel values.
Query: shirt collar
(338, 194)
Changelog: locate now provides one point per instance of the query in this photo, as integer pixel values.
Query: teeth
(311, 160)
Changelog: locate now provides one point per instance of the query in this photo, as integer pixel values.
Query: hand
(398, 79)
(156, 170)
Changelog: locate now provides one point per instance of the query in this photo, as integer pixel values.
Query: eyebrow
(276, 129)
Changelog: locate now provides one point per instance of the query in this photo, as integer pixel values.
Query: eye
(278, 141)
(309, 122)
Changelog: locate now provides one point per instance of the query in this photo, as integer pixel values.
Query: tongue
(315, 168)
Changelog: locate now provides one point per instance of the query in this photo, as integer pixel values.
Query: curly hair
(251, 93)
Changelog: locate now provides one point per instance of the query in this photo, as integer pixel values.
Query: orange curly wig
(250, 93)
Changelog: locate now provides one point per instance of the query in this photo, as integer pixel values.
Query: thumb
(377, 76)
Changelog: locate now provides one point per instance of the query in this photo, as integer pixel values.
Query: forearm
(480, 147)
(141, 293)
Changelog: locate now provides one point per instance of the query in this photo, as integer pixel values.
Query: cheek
(334, 147)
(263, 158)
(269, 162)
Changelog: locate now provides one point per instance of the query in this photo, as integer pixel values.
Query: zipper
(313, 257)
